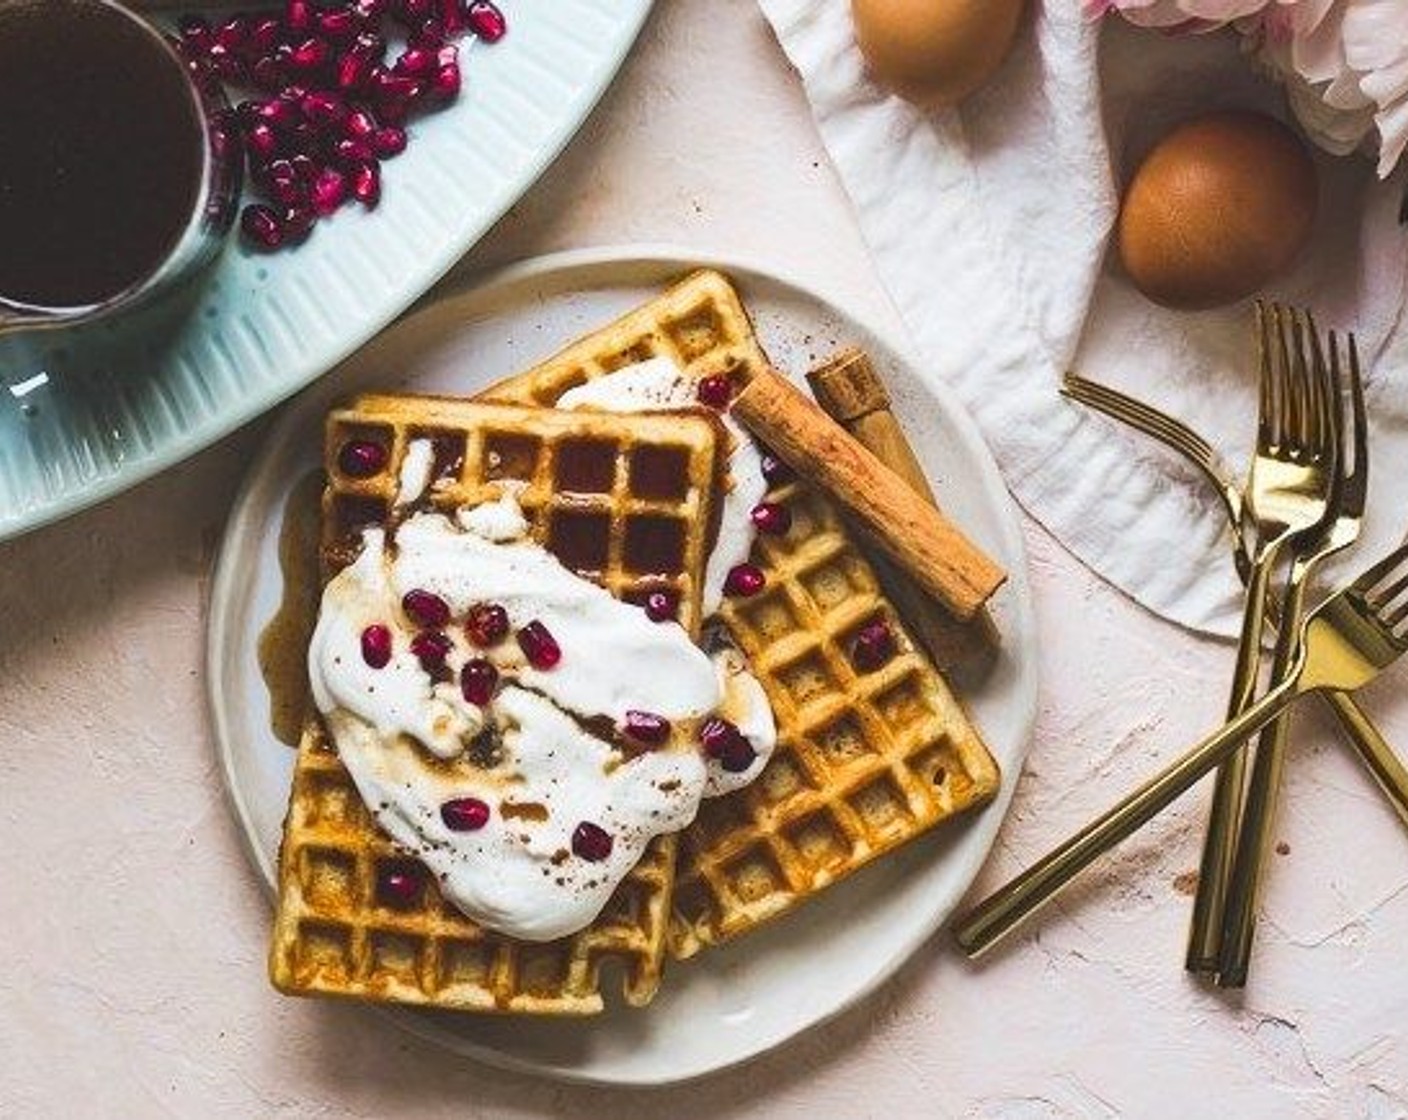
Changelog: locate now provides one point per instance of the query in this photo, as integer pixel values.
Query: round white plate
(728, 1004)
(89, 411)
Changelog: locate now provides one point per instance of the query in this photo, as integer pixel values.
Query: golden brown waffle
(592, 485)
(865, 761)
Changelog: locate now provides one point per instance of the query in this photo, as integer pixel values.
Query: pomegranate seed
(330, 191)
(261, 142)
(352, 71)
(486, 625)
(353, 152)
(429, 33)
(745, 580)
(399, 884)
(771, 518)
(723, 742)
(647, 727)
(261, 226)
(268, 74)
(283, 184)
(874, 645)
(591, 842)
(371, 10)
(376, 645)
(225, 63)
(486, 21)
(233, 34)
(450, 15)
(389, 87)
(326, 110)
(298, 224)
(431, 647)
(311, 54)
(448, 55)
(775, 471)
(465, 814)
(195, 32)
(366, 184)
(304, 169)
(413, 12)
(425, 608)
(299, 15)
(389, 142)
(361, 458)
(264, 36)
(338, 24)
(280, 113)
(360, 125)
(415, 62)
(539, 646)
(477, 681)
(445, 85)
(662, 606)
(716, 391)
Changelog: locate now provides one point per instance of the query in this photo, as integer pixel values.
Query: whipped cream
(746, 706)
(546, 773)
(416, 467)
(658, 385)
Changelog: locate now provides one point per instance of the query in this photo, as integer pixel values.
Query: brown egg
(1220, 207)
(935, 52)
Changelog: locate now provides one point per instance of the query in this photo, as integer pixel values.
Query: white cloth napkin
(990, 225)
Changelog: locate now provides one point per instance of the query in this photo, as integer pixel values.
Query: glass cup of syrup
(119, 169)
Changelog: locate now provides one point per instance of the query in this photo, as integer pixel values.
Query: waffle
(586, 495)
(864, 762)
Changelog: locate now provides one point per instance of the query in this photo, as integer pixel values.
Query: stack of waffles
(866, 760)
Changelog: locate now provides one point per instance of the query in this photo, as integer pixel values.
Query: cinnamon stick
(941, 560)
(850, 390)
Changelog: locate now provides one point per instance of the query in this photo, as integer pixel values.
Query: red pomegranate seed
(874, 645)
(771, 518)
(414, 12)
(486, 625)
(399, 884)
(361, 458)
(330, 191)
(195, 32)
(325, 110)
(391, 87)
(464, 814)
(716, 391)
(262, 142)
(304, 169)
(366, 184)
(450, 16)
(264, 36)
(539, 646)
(283, 184)
(353, 152)
(415, 62)
(445, 84)
(723, 742)
(338, 24)
(431, 647)
(233, 34)
(647, 727)
(260, 226)
(486, 21)
(477, 681)
(359, 125)
(425, 608)
(280, 113)
(299, 15)
(298, 224)
(376, 645)
(389, 142)
(744, 580)
(370, 10)
(662, 606)
(591, 842)
(352, 71)
(268, 74)
(775, 471)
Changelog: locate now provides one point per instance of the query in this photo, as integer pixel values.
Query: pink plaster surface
(134, 930)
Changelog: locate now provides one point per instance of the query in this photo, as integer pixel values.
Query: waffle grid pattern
(864, 762)
(333, 933)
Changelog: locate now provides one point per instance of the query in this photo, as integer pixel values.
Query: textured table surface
(134, 931)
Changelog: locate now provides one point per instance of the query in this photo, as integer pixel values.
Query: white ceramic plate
(87, 412)
(726, 1005)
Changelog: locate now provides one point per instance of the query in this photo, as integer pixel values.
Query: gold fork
(1372, 749)
(1339, 531)
(1347, 641)
(1288, 492)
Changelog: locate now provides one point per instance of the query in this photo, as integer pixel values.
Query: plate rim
(453, 250)
(663, 257)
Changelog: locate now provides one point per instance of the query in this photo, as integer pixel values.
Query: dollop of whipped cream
(412, 745)
(658, 385)
(746, 706)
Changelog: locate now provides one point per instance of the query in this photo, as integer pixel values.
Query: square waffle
(624, 501)
(865, 761)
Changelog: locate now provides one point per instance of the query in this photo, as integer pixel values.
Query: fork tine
(1374, 576)
(1329, 393)
(1356, 483)
(1137, 414)
(1299, 384)
(1266, 406)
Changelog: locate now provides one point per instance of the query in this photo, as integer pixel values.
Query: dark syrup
(101, 153)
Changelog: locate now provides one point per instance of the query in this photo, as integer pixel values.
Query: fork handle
(1000, 913)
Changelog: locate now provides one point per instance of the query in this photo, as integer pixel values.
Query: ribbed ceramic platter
(90, 411)
(727, 1004)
